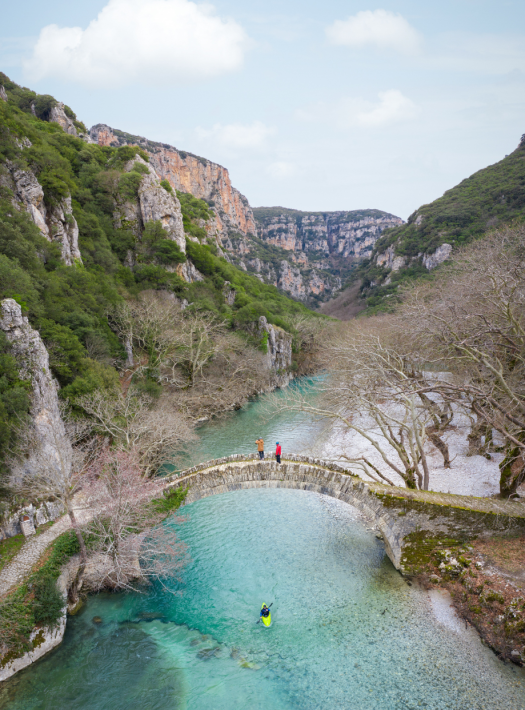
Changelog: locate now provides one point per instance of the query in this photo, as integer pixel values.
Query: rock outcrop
(190, 173)
(32, 359)
(3, 93)
(388, 259)
(154, 203)
(56, 223)
(58, 115)
(278, 352)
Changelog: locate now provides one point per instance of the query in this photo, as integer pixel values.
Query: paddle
(260, 617)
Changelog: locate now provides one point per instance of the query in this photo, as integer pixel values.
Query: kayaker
(265, 611)
(278, 452)
(260, 448)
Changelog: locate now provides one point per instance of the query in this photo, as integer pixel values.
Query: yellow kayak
(267, 620)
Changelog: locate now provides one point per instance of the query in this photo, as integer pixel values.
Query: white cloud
(350, 112)
(281, 170)
(237, 135)
(379, 28)
(148, 41)
(393, 107)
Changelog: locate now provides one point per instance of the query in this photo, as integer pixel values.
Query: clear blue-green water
(347, 632)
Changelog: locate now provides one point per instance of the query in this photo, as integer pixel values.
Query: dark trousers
(278, 457)
(261, 454)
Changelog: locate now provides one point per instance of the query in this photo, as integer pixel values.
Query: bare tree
(128, 543)
(155, 430)
(370, 391)
(472, 320)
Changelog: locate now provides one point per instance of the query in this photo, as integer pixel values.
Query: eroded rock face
(58, 115)
(3, 94)
(33, 363)
(393, 263)
(56, 223)
(279, 352)
(322, 246)
(349, 234)
(156, 203)
(389, 260)
(190, 173)
(430, 261)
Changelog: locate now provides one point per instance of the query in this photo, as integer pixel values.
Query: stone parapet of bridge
(411, 522)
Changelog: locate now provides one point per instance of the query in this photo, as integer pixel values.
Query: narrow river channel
(347, 632)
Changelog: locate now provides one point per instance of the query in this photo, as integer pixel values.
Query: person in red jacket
(278, 452)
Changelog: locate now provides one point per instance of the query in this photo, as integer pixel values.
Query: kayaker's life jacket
(265, 612)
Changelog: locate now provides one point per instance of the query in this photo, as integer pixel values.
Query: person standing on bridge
(260, 448)
(278, 452)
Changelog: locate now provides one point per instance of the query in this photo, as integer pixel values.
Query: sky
(333, 105)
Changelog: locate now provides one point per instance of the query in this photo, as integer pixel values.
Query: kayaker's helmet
(264, 606)
(277, 443)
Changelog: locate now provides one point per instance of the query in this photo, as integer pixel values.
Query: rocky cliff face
(348, 234)
(306, 254)
(56, 223)
(33, 362)
(392, 263)
(58, 115)
(279, 352)
(190, 173)
(320, 247)
(154, 204)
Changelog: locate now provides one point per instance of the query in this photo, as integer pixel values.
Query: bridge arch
(297, 472)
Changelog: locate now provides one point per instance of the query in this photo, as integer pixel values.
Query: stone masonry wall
(397, 512)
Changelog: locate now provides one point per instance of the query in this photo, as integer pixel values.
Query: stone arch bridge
(411, 522)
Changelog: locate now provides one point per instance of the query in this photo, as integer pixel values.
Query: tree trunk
(440, 445)
(512, 472)
(78, 533)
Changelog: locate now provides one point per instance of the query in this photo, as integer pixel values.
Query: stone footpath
(29, 554)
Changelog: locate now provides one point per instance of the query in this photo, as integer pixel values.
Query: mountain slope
(305, 254)
(84, 227)
(488, 198)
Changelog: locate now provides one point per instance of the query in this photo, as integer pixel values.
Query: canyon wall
(308, 255)
(190, 173)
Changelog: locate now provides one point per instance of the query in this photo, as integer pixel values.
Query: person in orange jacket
(260, 447)
(278, 452)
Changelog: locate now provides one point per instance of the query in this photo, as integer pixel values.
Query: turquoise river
(347, 631)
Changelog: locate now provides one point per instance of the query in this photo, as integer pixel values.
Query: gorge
(145, 317)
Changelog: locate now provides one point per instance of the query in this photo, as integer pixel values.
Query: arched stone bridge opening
(411, 522)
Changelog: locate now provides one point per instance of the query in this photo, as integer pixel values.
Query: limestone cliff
(319, 247)
(392, 263)
(33, 363)
(278, 353)
(56, 223)
(154, 203)
(306, 254)
(190, 173)
(58, 115)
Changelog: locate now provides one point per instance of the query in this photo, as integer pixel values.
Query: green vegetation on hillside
(489, 198)
(263, 214)
(69, 304)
